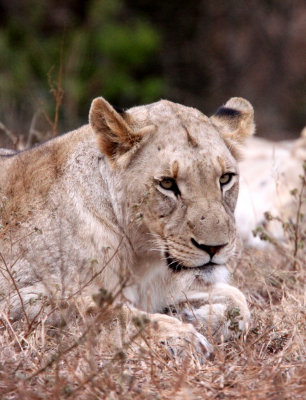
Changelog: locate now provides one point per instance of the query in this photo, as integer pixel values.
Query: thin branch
(16, 288)
(14, 138)
(298, 219)
(57, 92)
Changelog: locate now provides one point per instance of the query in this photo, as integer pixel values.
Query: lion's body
(269, 172)
(87, 210)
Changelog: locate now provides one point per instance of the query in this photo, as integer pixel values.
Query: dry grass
(72, 362)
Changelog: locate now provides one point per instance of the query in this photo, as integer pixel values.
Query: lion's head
(179, 174)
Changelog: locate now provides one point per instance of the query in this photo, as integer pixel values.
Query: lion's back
(269, 172)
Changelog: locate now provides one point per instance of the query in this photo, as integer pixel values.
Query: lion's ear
(114, 133)
(235, 121)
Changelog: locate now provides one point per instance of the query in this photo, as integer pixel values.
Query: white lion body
(269, 172)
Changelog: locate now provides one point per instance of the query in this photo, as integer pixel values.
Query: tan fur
(26, 179)
(88, 210)
(175, 169)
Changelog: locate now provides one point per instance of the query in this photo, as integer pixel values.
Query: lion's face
(181, 174)
(191, 203)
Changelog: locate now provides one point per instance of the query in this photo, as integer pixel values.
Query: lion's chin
(176, 266)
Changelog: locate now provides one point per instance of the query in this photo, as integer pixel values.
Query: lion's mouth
(176, 266)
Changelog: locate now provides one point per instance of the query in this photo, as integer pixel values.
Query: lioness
(141, 200)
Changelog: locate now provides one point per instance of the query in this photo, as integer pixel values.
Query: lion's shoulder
(27, 176)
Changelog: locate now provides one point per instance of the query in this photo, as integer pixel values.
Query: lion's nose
(210, 249)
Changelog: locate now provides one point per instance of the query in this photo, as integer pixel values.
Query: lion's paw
(223, 313)
(179, 339)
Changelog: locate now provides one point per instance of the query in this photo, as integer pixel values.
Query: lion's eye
(226, 178)
(169, 184)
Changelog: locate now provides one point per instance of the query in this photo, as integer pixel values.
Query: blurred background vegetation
(56, 56)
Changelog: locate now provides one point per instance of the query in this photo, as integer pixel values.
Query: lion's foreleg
(159, 330)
